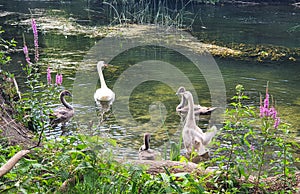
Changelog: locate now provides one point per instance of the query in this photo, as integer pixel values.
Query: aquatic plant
(156, 12)
(159, 12)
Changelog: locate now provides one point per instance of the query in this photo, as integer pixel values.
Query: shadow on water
(225, 24)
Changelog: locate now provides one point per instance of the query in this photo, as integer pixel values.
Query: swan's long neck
(182, 103)
(102, 81)
(65, 103)
(147, 141)
(190, 118)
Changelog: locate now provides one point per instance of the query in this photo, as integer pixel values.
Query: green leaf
(165, 177)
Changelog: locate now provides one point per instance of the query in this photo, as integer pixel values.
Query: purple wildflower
(273, 112)
(48, 75)
(277, 122)
(261, 110)
(61, 79)
(266, 101)
(265, 111)
(25, 50)
(33, 25)
(264, 108)
(58, 79)
(252, 148)
(36, 42)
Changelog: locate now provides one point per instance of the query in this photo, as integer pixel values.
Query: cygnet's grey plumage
(63, 114)
(194, 138)
(182, 108)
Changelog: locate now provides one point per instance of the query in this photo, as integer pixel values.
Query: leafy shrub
(248, 156)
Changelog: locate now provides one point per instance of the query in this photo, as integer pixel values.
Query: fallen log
(12, 162)
(155, 167)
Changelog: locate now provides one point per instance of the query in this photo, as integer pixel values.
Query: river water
(152, 103)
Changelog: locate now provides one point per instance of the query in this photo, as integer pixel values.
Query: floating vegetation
(68, 27)
(257, 52)
(268, 52)
(60, 24)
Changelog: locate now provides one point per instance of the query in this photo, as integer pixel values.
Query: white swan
(198, 109)
(103, 96)
(193, 137)
(145, 153)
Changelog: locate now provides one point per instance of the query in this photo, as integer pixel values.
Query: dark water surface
(266, 25)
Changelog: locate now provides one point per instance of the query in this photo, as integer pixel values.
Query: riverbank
(12, 132)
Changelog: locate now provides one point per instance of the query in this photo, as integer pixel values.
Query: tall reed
(159, 12)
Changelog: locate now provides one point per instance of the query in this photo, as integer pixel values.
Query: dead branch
(17, 87)
(12, 162)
